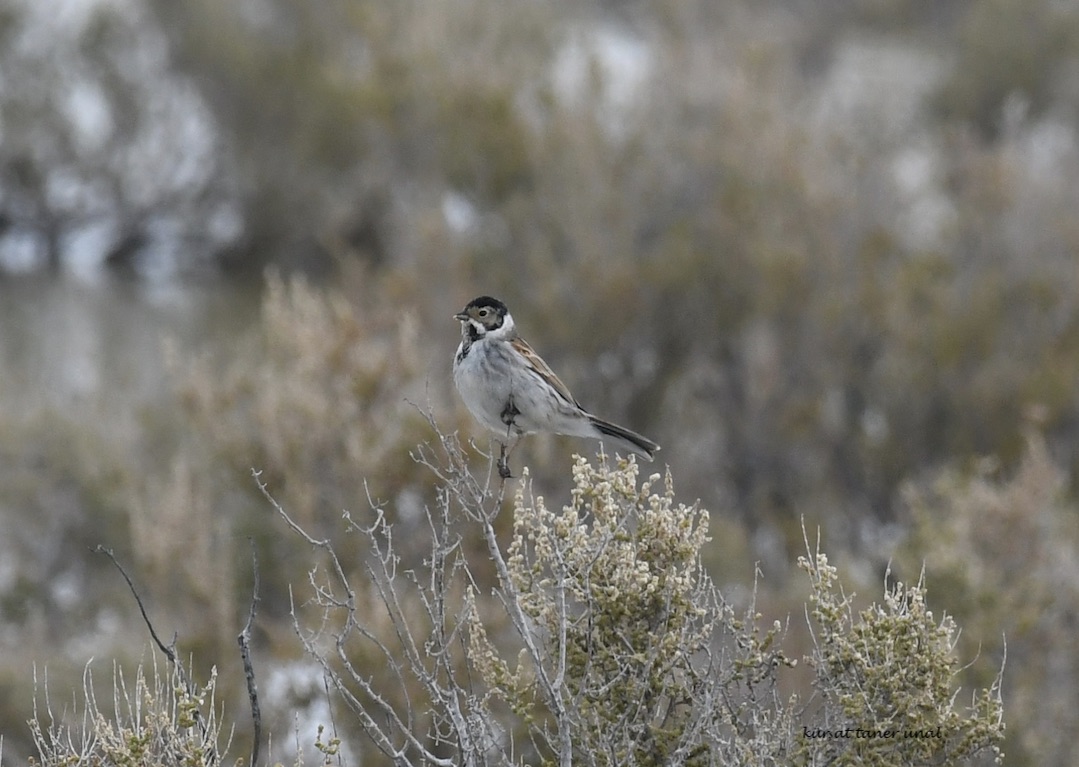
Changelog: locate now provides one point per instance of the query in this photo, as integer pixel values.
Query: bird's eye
(483, 312)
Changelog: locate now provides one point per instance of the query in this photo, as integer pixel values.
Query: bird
(512, 392)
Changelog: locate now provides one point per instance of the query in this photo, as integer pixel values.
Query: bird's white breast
(484, 388)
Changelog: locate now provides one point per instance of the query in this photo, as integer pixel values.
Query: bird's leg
(507, 452)
(509, 413)
(503, 462)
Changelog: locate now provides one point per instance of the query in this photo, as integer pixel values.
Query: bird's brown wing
(542, 369)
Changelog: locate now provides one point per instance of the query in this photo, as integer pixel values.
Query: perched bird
(511, 390)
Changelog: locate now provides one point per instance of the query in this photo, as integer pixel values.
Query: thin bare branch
(244, 640)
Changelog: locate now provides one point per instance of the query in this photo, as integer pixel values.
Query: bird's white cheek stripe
(505, 330)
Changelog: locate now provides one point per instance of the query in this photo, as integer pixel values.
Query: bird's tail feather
(625, 438)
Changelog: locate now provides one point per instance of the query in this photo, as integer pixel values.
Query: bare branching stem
(169, 652)
(244, 640)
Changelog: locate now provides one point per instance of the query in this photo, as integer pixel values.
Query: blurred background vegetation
(826, 253)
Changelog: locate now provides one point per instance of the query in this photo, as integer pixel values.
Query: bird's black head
(483, 315)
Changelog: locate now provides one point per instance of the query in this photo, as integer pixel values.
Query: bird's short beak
(461, 316)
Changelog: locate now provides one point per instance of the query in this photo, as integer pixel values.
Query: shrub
(888, 674)
(999, 549)
(159, 720)
(606, 642)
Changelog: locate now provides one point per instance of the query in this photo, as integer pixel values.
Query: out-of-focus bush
(1014, 59)
(110, 157)
(803, 283)
(324, 398)
(350, 118)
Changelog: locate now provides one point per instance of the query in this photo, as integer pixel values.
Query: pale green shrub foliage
(891, 668)
(607, 643)
(161, 720)
(613, 588)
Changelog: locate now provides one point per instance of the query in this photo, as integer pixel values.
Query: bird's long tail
(625, 438)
